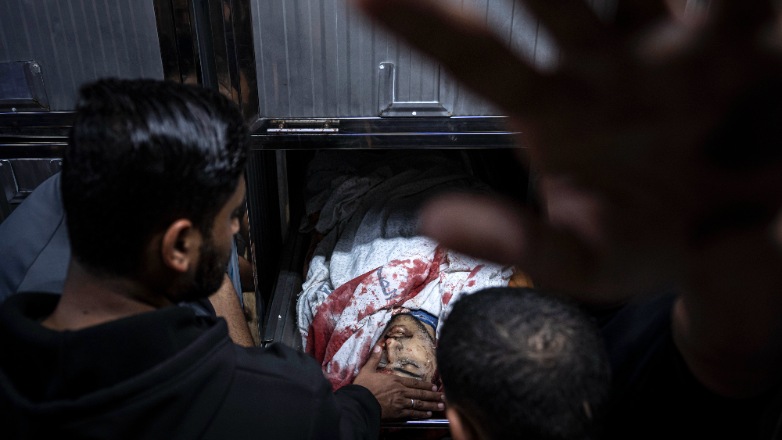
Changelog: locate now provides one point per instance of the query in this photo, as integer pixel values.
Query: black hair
(523, 364)
(141, 154)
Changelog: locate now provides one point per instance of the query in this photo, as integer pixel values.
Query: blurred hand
(656, 138)
(399, 397)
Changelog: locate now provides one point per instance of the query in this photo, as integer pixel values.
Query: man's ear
(461, 426)
(180, 244)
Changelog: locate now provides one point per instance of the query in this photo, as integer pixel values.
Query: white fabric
(371, 256)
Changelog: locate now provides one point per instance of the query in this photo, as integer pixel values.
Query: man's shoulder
(280, 391)
(282, 364)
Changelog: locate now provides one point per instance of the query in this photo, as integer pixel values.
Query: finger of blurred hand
(556, 257)
(452, 37)
(476, 225)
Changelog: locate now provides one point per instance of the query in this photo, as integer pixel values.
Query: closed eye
(408, 374)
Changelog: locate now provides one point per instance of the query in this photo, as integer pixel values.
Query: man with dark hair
(36, 252)
(151, 182)
(519, 364)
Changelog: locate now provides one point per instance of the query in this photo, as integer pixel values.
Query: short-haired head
(143, 153)
(523, 365)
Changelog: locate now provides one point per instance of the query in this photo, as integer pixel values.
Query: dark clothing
(165, 374)
(656, 395)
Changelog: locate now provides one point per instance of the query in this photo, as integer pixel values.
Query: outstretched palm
(656, 139)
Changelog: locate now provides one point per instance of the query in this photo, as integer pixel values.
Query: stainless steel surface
(76, 41)
(320, 58)
(462, 132)
(391, 106)
(22, 87)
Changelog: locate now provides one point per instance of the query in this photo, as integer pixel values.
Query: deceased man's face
(408, 349)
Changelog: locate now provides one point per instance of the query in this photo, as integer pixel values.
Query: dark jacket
(163, 374)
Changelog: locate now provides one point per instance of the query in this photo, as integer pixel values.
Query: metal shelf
(383, 133)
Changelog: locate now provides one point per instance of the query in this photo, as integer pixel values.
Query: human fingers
(425, 402)
(408, 407)
(415, 414)
(556, 256)
(400, 407)
(416, 384)
(421, 390)
(480, 226)
(453, 38)
(419, 415)
(374, 359)
(423, 394)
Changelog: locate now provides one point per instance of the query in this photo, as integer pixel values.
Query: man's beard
(209, 273)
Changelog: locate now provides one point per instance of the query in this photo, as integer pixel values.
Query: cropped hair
(142, 154)
(524, 365)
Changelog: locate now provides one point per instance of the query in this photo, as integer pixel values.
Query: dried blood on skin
(324, 340)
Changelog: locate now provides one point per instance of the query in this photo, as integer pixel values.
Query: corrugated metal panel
(76, 41)
(320, 58)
